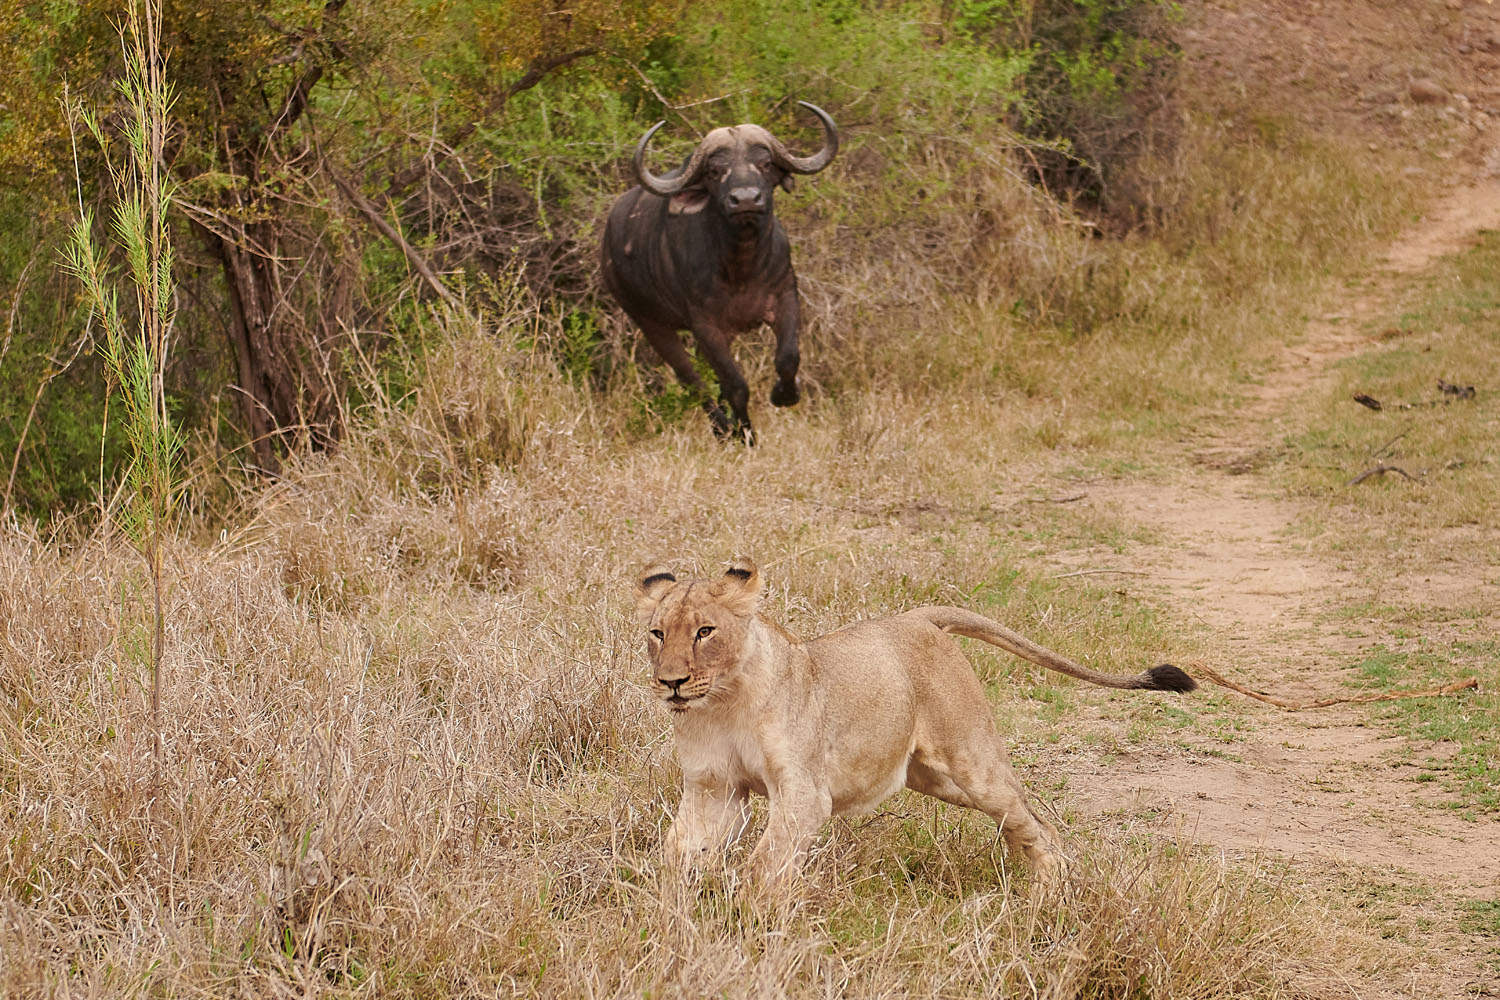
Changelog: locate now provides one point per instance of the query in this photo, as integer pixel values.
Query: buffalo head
(736, 169)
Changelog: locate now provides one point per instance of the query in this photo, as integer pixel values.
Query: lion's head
(696, 631)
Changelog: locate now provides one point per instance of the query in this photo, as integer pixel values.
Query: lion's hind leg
(981, 779)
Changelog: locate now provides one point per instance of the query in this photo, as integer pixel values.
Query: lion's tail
(960, 622)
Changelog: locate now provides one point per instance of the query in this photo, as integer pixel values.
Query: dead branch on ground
(1355, 699)
(1381, 450)
(1068, 498)
(1380, 469)
(1101, 572)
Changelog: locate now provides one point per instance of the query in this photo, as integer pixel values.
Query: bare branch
(1357, 699)
(15, 304)
(1100, 572)
(390, 232)
(58, 368)
(296, 100)
(676, 108)
(1380, 469)
(1381, 450)
(535, 72)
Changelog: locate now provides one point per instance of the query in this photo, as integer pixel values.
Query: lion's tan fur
(831, 725)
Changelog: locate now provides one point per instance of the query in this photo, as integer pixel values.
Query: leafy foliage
(335, 160)
(1098, 92)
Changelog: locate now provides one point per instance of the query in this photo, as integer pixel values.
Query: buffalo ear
(739, 588)
(650, 587)
(688, 202)
(787, 182)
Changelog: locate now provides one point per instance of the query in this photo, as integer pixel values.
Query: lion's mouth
(678, 703)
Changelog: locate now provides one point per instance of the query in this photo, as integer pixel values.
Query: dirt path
(1318, 787)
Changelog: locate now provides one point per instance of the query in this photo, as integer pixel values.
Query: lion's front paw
(686, 852)
(1049, 869)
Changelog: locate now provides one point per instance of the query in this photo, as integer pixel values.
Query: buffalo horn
(809, 164)
(664, 186)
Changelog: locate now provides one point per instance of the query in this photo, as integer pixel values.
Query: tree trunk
(245, 316)
(286, 387)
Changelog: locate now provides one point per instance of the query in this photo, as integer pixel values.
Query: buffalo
(700, 249)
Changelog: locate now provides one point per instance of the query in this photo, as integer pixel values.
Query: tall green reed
(137, 336)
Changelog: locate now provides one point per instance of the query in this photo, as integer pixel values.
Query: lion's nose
(673, 682)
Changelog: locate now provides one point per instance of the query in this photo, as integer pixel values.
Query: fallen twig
(1354, 699)
(1379, 451)
(1069, 498)
(1100, 572)
(1379, 470)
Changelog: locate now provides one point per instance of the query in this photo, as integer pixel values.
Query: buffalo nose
(741, 199)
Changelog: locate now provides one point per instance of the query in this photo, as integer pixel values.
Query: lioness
(835, 724)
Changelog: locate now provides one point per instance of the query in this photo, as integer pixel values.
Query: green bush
(1099, 96)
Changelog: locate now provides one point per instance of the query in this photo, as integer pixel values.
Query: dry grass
(463, 796)
(406, 753)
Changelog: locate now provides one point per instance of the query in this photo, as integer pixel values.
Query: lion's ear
(739, 588)
(650, 587)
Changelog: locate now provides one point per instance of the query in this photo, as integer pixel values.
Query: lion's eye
(658, 635)
(705, 631)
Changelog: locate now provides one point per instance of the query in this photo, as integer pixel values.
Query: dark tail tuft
(1168, 678)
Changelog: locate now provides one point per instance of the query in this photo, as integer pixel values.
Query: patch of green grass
(1388, 668)
(1481, 916)
(1441, 330)
(1230, 729)
(1471, 721)
(1468, 720)
(1177, 718)
(1217, 754)
(1055, 701)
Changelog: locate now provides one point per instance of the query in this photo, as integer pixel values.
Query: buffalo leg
(670, 347)
(788, 318)
(733, 389)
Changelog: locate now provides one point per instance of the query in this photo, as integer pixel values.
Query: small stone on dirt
(1425, 91)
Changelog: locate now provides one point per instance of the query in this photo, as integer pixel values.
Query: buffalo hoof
(785, 394)
(723, 429)
(739, 430)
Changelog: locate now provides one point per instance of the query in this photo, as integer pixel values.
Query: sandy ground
(1317, 789)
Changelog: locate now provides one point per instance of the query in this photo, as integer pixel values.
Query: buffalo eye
(657, 634)
(705, 631)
